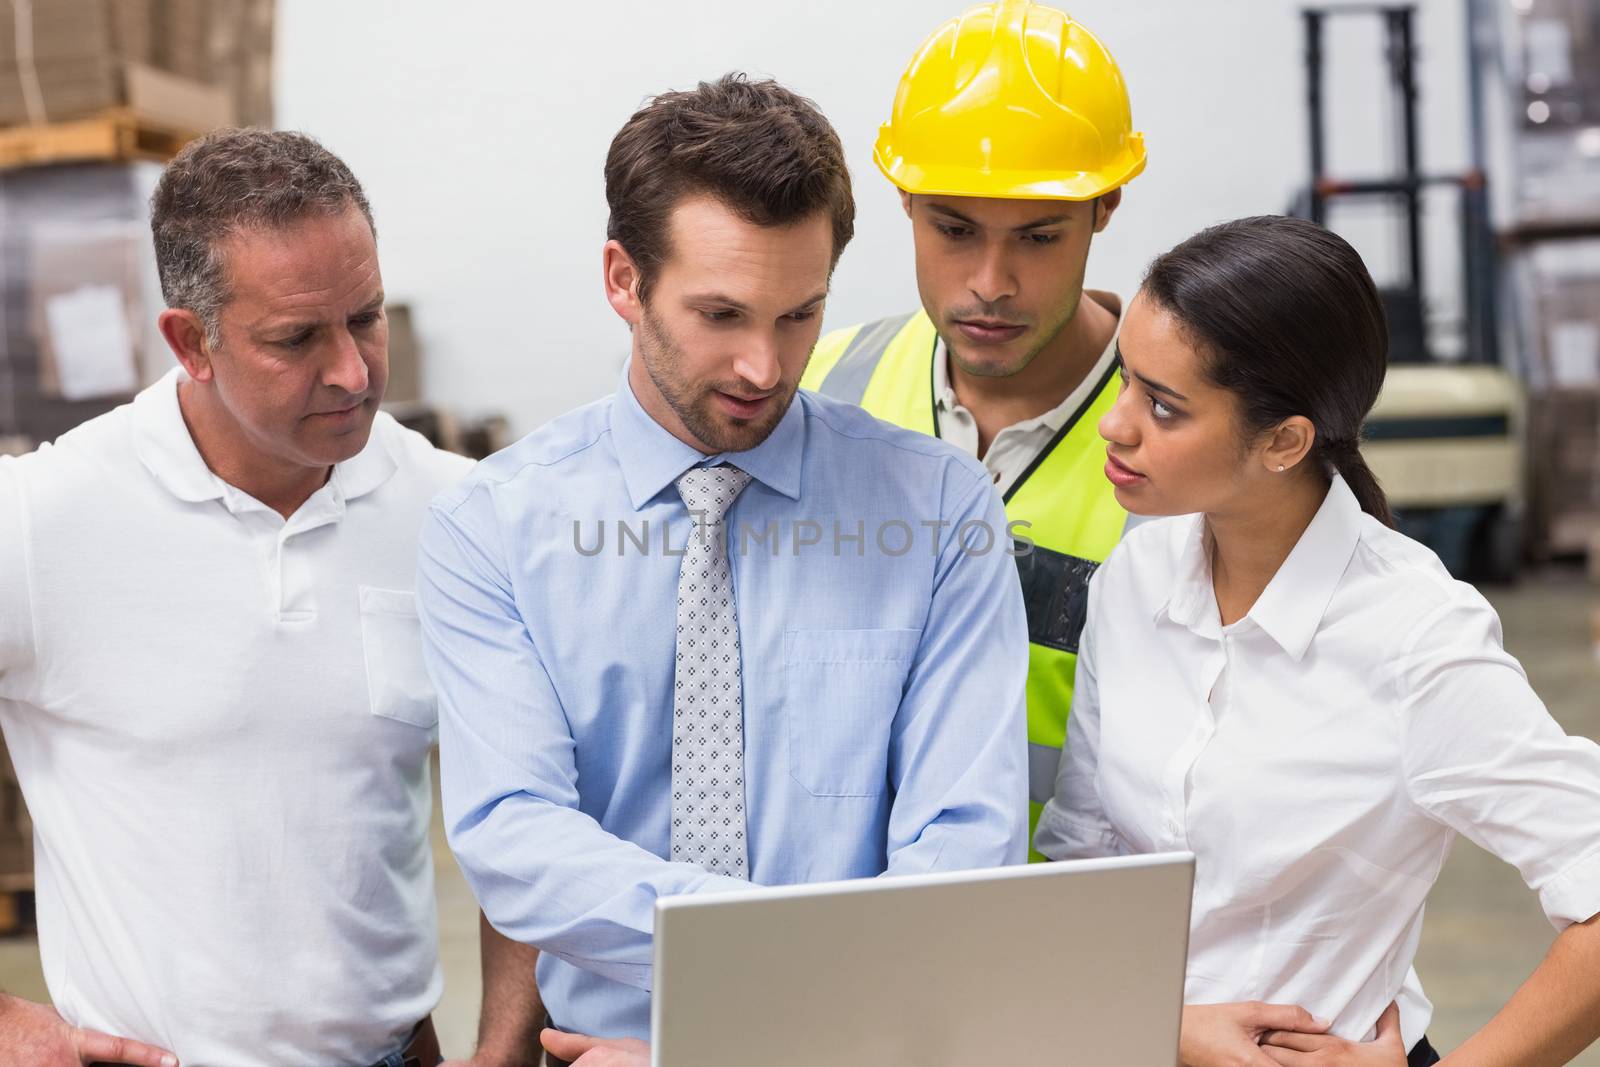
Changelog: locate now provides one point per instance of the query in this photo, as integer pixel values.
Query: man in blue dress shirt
(710, 631)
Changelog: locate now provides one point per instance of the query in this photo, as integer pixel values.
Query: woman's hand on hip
(1387, 1049)
(1229, 1035)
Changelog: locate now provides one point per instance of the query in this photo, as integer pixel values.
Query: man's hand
(1387, 1049)
(33, 1035)
(583, 1051)
(1229, 1035)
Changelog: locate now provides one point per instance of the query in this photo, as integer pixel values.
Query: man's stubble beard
(979, 370)
(663, 362)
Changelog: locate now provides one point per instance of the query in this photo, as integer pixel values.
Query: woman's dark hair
(1290, 322)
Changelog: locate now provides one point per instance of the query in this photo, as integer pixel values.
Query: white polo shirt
(221, 723)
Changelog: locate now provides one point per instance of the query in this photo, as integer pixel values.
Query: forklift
(1446, 436)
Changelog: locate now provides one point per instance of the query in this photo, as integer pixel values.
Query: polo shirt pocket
(391, 642)
(842, 690)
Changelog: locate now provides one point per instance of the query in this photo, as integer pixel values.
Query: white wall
(480, 129)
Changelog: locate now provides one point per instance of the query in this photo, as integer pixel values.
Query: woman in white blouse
(1277, 681)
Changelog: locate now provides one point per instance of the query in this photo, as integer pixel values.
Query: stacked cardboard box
(179, 37)
(1559, 295)
(1564, 433)
(239, 54)
(1553, 245)
(1562, 281)
(1558, 110)
(189, 64)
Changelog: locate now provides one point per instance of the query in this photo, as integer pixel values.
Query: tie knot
(712, 490)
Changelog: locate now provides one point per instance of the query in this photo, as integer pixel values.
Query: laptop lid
(1077, 962)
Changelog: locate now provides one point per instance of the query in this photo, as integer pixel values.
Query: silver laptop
(1057, 963)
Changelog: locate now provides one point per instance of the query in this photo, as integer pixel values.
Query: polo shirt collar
(374, 465)
(651, 458)
(167, 450)
(164, 446)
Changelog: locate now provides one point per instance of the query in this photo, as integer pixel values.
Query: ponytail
(1345, 457)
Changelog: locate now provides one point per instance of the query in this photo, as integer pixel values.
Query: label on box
(1574, 354)
(91, 342)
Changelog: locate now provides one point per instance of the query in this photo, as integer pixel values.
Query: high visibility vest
(1071, 512)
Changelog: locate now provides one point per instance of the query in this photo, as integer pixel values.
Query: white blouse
(1319, 757)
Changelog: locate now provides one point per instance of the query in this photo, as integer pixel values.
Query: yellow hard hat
(1011, 99)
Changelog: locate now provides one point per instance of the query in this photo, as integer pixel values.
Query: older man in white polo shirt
(210, 666)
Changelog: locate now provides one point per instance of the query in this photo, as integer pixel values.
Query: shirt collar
(1191, 598)
(167, 450)
(162, 440)
(373, 465)
(652, 458)
(1291, 608)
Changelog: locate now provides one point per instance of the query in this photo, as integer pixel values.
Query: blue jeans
(420, 1050)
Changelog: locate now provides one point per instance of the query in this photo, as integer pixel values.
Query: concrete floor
(1484, 932)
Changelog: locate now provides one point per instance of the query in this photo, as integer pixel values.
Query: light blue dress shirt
(884, 656)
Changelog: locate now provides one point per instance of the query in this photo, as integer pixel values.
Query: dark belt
(1422, 1055)
(423, 1048)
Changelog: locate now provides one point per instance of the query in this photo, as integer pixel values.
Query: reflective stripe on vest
(1069, 508)
(848, 378)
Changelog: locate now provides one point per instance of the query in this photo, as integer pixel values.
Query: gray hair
(233, 180)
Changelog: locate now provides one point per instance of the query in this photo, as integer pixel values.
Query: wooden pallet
(114, 136)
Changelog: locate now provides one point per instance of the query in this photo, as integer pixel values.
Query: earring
(1280, 468)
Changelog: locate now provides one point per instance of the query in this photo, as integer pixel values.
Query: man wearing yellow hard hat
(1010, 140)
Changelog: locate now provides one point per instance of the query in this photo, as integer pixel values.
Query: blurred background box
(180, 37)
(1560, 176)
(1558, 109)
(79, 29)
(87, 88)
(190, 64)
(405, 360)
(87, 303)
(239, 51)
(63, 231)
(1557, 294)
(405, 397)
(1564, 432)
(16, 852)
(1560, 288)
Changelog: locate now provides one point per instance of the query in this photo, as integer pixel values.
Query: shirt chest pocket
(841, 692)
(391, 641)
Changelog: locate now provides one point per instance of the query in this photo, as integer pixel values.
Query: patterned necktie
(708, 701)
